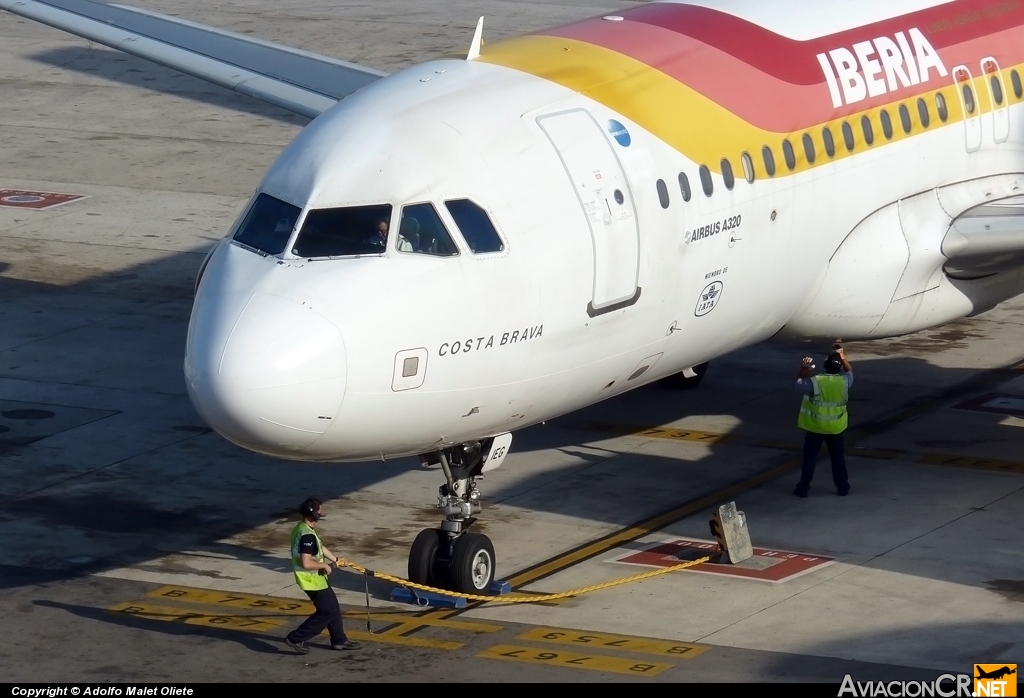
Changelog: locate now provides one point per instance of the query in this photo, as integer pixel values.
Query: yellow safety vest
(824, 411)
(308, 580)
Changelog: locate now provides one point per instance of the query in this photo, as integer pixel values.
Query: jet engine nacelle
(887, 276)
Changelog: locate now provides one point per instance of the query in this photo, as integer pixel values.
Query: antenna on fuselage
(474, 49)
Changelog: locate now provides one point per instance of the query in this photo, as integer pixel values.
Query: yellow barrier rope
(527, 599)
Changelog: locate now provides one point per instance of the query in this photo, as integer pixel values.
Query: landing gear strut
(452, 557)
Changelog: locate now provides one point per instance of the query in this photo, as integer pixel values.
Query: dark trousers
(835, 443)
(328, 615)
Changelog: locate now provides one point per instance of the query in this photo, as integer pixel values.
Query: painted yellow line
(981, 383)
(574, 660)
(650, 525)
(402, 640)
(270, 606)
(260, 623)
(659, 432)
(877, 453)
(592, 641)
(210, 620)
(549, 602)
(710, 437)
(411, 621)
(223, 599)
(693, 435)
(996, 464)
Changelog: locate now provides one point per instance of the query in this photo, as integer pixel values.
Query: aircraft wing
(301, 82)
(986, 240)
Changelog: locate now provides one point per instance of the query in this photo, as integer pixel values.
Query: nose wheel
(451, 557)
(465, 563)
(472, 565)
(428, 558)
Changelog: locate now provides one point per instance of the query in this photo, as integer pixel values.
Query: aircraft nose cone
(272, 380)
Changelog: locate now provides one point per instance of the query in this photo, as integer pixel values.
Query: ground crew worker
(824, 417)
(309, 562)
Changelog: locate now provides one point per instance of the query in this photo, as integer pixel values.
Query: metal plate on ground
(22, 423)
(766, 565)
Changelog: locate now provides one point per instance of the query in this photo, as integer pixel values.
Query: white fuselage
(303, 358)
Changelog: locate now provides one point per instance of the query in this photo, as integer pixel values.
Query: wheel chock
(425, 598)
(429, 598)
(729, 527)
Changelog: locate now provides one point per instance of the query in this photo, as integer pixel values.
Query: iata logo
(876, 67)
(995, 680)
(709, 298)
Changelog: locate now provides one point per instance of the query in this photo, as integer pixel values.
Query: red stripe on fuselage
(794, 61)
(761, 98)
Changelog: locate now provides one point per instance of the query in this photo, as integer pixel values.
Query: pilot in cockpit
(409, 235)
(380, 238)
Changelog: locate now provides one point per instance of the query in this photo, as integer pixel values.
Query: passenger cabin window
(869, 131)
(705, 181)
(848, 139)
(997, 89)
(422, 232)
(344, 232)
(769, 160)
(922, 111)
(267, 225)
(830, 142)
(662, 193)
(748, 167)
(475, 224)
(940, 106)
(886, 125)
(727, 174)
(1018, 89)
(905, 118)
(789, 154)
(809, 147)
(968, 98)
(684, 186)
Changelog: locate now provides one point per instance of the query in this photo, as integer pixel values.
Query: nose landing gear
(451, 557)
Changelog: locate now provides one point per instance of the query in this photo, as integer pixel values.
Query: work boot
(346, 645)
(299, 647)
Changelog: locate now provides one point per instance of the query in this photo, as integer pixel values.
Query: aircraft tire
(472, 566)
(678, 381)
(426, 557)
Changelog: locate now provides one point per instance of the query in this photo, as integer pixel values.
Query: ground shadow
(173, 625)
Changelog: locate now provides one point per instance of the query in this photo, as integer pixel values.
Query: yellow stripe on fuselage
(696, 126)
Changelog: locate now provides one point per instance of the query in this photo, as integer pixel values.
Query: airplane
(480, 243)
(996, 673)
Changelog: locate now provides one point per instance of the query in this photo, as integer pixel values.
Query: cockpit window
(268, 225)
(475, 225)
(344, 232)
(422, 232)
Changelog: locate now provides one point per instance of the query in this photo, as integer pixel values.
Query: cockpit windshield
(422, 232)
(344, 232)
(268, 225)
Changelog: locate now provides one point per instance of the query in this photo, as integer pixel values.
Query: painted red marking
(767, 565)
(38, 200)
(997, 403)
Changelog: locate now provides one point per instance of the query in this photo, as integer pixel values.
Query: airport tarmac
(137, 545)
